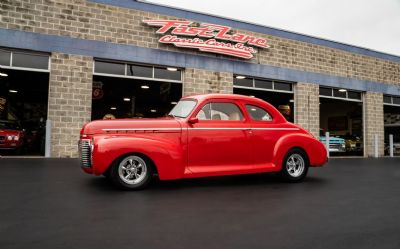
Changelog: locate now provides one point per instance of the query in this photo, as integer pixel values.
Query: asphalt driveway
(350, 203)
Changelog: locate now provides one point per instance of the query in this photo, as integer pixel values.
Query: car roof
(201, 97)
(251, 100)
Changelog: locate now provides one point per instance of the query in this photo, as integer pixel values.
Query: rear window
(258, 113)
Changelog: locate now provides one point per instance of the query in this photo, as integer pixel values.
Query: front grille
(85, 153)
(335, 146)
(2, 139)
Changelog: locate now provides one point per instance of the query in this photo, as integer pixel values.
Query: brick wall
(374, 123)
(307, 107)
(198, 81)
(70, 100)
(86, 20)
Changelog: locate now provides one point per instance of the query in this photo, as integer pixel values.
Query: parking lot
(350, 203)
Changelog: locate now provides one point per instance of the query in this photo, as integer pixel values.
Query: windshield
(8, 125)
(183, 108)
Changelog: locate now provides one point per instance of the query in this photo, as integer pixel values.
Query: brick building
(73, 61)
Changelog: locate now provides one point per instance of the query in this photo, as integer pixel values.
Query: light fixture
(3, 74)
(240, 77)
(252, 96)
(153, 110)
(145, 87)
(253, 109)
(174, 103)
(291, 101)
(113, 108)
(173, 69)
(342, 90)
(12, 91)
(127, 99)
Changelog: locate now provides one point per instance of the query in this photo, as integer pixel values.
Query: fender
(166, 155)
(314, 149)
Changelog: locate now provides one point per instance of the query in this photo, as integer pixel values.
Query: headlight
(15, 138)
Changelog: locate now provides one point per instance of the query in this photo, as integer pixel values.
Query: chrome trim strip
(144, 129)
(277, 129)
(202, 128)
(247, 128)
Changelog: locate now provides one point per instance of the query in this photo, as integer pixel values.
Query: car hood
(168, 124)
(9, 132)
(332, 139)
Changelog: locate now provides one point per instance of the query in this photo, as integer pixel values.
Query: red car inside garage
(11, 136)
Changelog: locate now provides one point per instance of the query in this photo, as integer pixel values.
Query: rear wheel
(132, 172)
(295, 166)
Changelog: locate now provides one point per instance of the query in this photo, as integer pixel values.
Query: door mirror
(193, 120)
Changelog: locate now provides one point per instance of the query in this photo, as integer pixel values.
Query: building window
(30, 61)
(105, 68)
(262, 84)
(140, 71)
(266, 84)
(391, 100)
(325, 91)
(339, 93)
(5, 58)
(109, 68)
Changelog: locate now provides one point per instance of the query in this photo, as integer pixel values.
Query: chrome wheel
(132, 170)
(295, 165)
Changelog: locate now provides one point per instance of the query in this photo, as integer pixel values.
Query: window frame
(210, 101)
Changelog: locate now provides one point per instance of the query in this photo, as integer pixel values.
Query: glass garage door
(24, 83)
(125, 90)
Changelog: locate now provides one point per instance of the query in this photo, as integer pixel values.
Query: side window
(204, 113)
(257, 113)
(220, 111)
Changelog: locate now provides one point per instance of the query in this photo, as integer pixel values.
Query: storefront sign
(207, 37)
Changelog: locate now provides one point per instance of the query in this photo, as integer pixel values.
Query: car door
(218, 143)
(264, 135)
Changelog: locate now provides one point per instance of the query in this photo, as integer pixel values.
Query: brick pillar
(306, 112)
(374, 123)
(70, 100)
(198, 81)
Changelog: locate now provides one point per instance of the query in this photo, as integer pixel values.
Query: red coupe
(11, 136)
(203, 135)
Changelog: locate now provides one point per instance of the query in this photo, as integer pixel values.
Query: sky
(372, 24)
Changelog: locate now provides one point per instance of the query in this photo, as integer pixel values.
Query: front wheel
(131, 172)
(295, 166)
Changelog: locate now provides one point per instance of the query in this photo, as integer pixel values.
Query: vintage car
(336, 144)
(11, 136)
(203, 135)
(353, 143)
